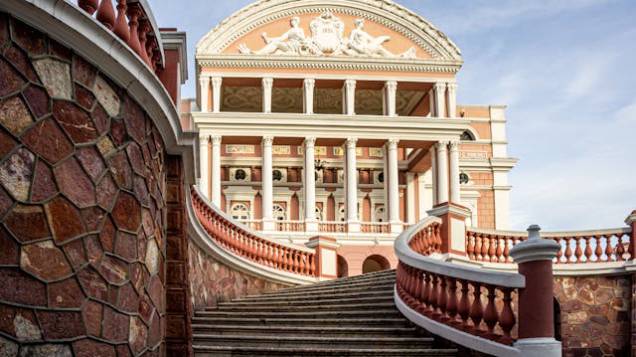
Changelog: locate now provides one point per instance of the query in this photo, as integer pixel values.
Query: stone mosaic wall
(595, 315)
(82, 207)
(212, 282)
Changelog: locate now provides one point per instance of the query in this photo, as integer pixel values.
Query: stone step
(214, 351)
(315, 322)
(316, 297)
(308, 330)
(306, 301)
(312, 341)
(366, 287)
(385, 313)
(308, 308)
(350, 280)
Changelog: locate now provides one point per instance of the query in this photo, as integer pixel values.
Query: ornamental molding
(384, 12)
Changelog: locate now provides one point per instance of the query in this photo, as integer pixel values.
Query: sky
(566, 69)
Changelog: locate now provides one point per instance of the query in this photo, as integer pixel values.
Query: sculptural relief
(327, 39)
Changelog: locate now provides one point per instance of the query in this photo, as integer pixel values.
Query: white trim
(452, 334)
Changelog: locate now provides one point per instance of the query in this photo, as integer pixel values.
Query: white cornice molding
(74, 28)
(385, 12)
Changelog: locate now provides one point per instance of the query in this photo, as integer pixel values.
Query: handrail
(134, 23)
(590, 246)
(447, 298)
(247, 244)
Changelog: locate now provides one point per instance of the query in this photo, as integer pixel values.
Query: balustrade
(601, 246)
(332, 227)
(250, 246)
(290, 226)
(132, 23)
(375, 227)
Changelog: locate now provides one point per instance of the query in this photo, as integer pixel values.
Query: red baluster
(485, 249)
(121, 24)
(620, 248)
(492, 249)
(442, 298)
(106, 14)
(470, 245)
(478, 245)
(144, 28)
(464, 304)
(506, 252)
(89, 6)
(560, 252)
(598, 251)
(426, 292)
(609, 252)
(588, 250)
(451, 303)
(432, 295)
(490, 315)
(507, 318)
(578, 252)
(568, 250)
(477, 309)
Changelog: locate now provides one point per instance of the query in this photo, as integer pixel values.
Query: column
(205, 93)
(431, 103)
(308, 98)
(311, 225)
(440, 99)
(216, 94)
(442, 172)
(452, 99)
(268, 84)
(204, 157)
(412, 197)
(455, 195)
(390, 92)
(267, 182)
(216, 170)
(350, 97)
(351, 189)
(433, 152)
(394, 182)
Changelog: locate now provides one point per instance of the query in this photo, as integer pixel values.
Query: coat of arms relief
(327, 39)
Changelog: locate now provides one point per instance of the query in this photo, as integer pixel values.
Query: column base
(539, 347)
(353, 226)
(396, 227)
(311, 225)
(269, 225)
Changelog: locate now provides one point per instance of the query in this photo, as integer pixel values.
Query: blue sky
(566, 70)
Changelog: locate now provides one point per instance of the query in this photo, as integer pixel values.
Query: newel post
(453, 229)
(536, 308)
(326, 257)
(631, 222)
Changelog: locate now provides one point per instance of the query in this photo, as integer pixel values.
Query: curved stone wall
(82, 207)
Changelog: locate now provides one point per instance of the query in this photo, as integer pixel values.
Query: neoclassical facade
(340, 118)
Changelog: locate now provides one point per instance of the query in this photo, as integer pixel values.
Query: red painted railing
(427, 240)
(600, 246)
(132, 22)
(250, 246)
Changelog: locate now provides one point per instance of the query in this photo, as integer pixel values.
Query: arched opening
(343, 267)
(557, 320)
(375, 263)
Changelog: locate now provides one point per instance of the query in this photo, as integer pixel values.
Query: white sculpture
(327, 39)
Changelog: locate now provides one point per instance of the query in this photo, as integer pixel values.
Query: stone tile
(107, 236)
(84, 97)
(48, 350)
(152, 257)
(118, 132)
(126, 246)
(43, 183)
(7, 143)
(47, 140)
(128, 300)
(27, 223)
(30, 39)
(75, 121)
(66, 294)
(93, 218)
(94, 285)
(75, 253)
(16, 173)
(90, 348)
(20, 60)
(61, 324)
(135, 121)
(127, 212)
(136, 158)
(92, 161)
(93, 312)
(101, 119)
(58, 50)
(45, 261)
(121, 171)
(15, 116)
(147, 223)
(5, 36)
(137, 335)
(74, 183)
(155, 334)
(64, 219)
(113, 270)
(123, 351)
(146, 309)
(107, 97)
(56, 77)
(38, 100)
(9, 249)
(141, 191)
(8, 348)
(84, 72)
(105, 146)
(26, 326)
(10, 80)
(155, 291)
(94, 251)
(115, 325)
(24, 289)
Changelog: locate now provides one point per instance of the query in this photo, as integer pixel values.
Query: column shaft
(452, 99)
(310, 180)
(308, 100)
(390, 91)
(216, 171)
(351, 174)
(350, 97)
(205, 94)
(440, 99)
(204, 157)
(442, 172)
(216, 94)
(268, 84)
(394, 192)
(455, 195)
(267, 182)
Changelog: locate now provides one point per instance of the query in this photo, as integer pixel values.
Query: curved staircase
(346, 317)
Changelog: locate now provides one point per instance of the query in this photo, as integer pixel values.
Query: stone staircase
(346, 317)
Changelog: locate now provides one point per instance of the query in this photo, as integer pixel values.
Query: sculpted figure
(362, 44)
(292, 42)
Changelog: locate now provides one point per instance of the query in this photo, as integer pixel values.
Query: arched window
(375, 263)
(467, 136)
(240, 211)
(343, 267)
(279, 214)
